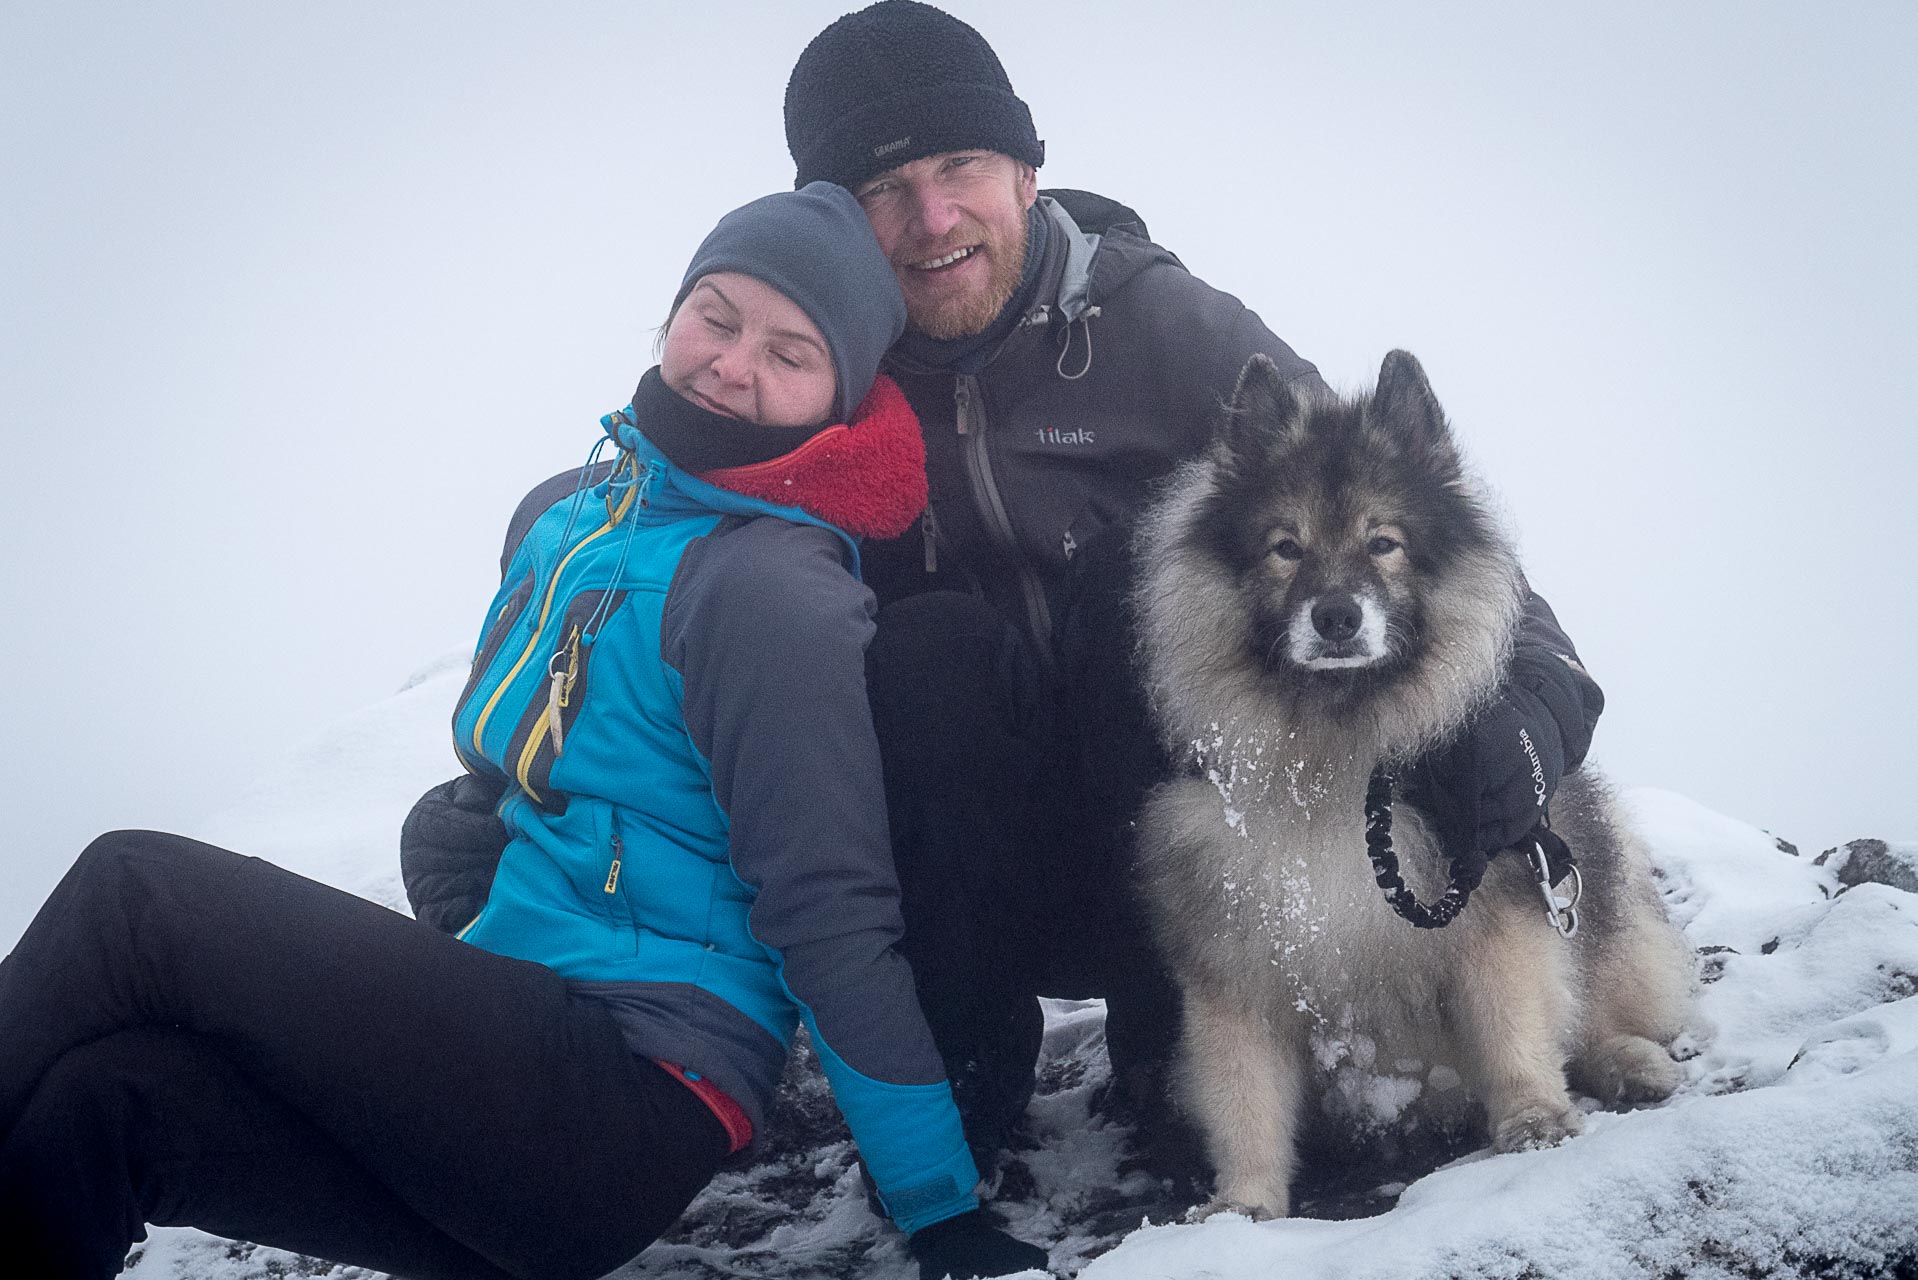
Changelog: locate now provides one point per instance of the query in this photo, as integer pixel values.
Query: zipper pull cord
(612, 874)
(579, 488)
(929, 531)
(559, 690)
(613, 492)
(625, 476)
(621, 429)
(605, 605)
(1085, 322)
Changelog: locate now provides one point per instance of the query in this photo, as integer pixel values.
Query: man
(1057, 372)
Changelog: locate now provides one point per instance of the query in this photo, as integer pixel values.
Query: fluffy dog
(1322, 594)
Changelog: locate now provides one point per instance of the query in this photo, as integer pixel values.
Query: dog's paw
(1637, 1071)
(1535, 1127)
(1216, 1205)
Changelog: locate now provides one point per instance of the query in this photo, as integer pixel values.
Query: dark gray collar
(697, 440)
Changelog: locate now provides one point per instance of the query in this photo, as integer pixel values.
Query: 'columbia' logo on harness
(1538, 769)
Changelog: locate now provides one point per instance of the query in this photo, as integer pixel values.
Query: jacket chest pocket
(553, 711)
(503, 621)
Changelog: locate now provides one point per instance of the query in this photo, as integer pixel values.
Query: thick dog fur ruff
(1298, 979)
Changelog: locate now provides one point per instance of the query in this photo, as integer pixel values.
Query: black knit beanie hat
(815, 246)
(894, 83)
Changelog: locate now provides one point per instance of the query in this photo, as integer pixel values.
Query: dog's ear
(1263, 411)
(1404, 409)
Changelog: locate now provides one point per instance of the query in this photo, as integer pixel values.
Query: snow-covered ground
(1791, 1149)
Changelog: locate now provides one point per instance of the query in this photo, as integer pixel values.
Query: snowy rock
(1873, 862)
(1726, 883)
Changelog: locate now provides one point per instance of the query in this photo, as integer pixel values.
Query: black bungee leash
(1545, 852)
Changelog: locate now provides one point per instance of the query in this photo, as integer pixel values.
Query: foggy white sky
(296, 300)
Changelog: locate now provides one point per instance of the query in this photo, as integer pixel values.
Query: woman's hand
(450, 846)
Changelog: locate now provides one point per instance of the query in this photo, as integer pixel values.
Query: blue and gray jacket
(671, 683)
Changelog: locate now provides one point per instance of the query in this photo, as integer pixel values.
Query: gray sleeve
(1237, 335)
(1249, 336)
(768, 630)
(1202, 338)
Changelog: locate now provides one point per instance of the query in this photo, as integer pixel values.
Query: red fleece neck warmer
(868, 476)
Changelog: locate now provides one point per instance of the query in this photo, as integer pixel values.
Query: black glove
(968, 1247)
(1486, 788)
(449, 848)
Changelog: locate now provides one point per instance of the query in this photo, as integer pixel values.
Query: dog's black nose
(1336, 618)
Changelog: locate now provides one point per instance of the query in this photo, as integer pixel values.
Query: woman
(670, 684)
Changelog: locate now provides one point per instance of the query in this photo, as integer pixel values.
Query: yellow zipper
(612, 875)
(533, 741)
(545, 608)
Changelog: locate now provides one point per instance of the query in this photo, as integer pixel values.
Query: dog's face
(1337, 519)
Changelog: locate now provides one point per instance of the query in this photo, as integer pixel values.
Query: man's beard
(970, 313)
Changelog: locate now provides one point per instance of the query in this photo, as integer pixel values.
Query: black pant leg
(1107, 734)
(1013, 789)
(157, 1126)
(502, 1108)
(963, 717)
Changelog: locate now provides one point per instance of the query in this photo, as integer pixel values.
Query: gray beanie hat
(815, 246)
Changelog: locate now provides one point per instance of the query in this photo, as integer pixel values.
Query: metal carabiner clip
(1562, 912)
